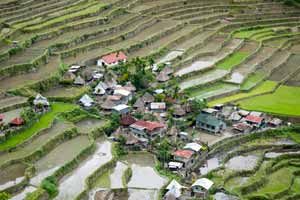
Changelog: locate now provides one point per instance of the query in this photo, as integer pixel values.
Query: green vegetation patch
(252, 80)
(233, 60)
(45, 121)
(267, 86)
(243, 34)
(284, 101)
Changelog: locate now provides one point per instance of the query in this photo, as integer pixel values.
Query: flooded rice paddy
(87, 125)
(12, 175)
(142, 165)
(239, 163)
(44, 136)
(74, 184)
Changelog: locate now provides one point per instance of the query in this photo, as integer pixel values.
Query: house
(178, 111)
(210, 123)
(256, 114)
(167, 70)
(242, 127)
(162, 77)
(127, 95)
(112, 59)
(218, 107)
(74, 68)
(97, 76)
(187, 157)
(201, 187)
(184, 136)
(158, 107)
(148, 98)
(86, 101)
(235, 116)
(175, 166)
(174, 189)
(193, 146)
(147, 130)
(121, 109)
(275, 122)
(254, 120)
(130, 87)
(243, 113)
(41, 103)
(69, 77)
(100, 89)
(127, 120)
(79, 81)
(108, 105)
(210, 111)
(18, 121)
(139, 104)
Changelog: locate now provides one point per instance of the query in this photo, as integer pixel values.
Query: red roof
(150, 126)
(114, 57)
(127, 120)
(183, 153)
(254, 119)
(17, 121)
(1, 117)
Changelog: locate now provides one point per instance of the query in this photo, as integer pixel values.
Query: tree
(198, 105)
(4, 196)
(164, 151)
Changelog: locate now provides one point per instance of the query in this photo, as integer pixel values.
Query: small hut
(79, 81)
(40, 103)
(86, 101)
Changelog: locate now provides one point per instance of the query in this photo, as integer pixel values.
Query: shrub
(49, 184)
(4, 196)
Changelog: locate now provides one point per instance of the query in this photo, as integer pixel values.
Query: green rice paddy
(284, 101)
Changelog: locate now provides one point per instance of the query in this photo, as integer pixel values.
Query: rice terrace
(150, 99)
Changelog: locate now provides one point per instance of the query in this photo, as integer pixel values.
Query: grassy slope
(267, 86)
(43, 123)
(284, 101)
(252, 80)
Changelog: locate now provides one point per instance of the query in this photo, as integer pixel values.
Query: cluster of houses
(198, 190)
(215, 120)
(40, 105)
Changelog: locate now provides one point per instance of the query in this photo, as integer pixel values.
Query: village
(149, 100)
(154, 116)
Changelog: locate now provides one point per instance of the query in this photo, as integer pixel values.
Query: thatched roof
(69, 76)
(79, 81)
(108, 105)
(167, 70)
(179, 111)
(162, 77)
(148, 98)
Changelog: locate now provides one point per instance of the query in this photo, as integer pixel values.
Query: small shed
(121, 109)
(201, 187)
(162, 77)
(108, 105)
(41, 101)
(275, 122)
(179, 111)
(242, 127)
(100, 89)
(174, 188)
(158, 106)
(86, 101)
(18, 121)
(79, 81)
(139, 104)
(148, 98)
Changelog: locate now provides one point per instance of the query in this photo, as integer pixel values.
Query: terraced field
(243, 52)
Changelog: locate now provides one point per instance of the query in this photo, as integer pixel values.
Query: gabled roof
(209, 110)
(184, 153)
(147, 98)
(100, 88)
(179, 111)
(114, 97)
(79, 80)
(241, 126)
(139, 103)
(162, 77)
(193, 146)
(158, 106)
(86, 100)
(40, 100)
(69, 76)
(167, 70)
(122, 92)
(127, 120)
(108, 105)
(17, 121)
(149, 126)
(1, 117)
(254, 119)
(114, 57)
(130, 87)
(209, 119)
(174, 188)
(120, 107)
(204, 183)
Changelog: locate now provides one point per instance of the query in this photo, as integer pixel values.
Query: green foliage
(164, 150)
(119, 150)
(49, 184)
(4, 196)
